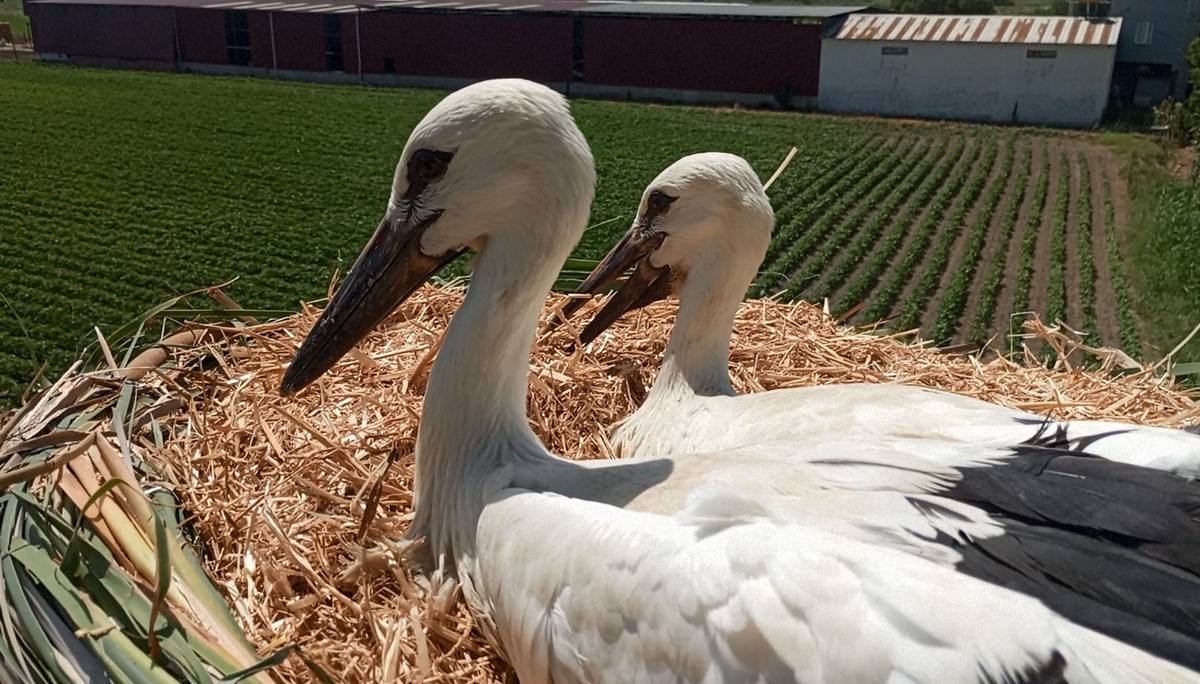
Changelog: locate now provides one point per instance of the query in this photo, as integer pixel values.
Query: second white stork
(702, 230)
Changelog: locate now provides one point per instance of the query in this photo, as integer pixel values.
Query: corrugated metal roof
(624, 7)
(1016, 30)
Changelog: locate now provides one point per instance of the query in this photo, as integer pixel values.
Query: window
(1041, 54)
(892, 50)
(237, 38)
(333, 43)
(1143, 33)
(577, 49)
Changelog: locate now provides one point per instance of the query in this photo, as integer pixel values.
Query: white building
(1041, 70)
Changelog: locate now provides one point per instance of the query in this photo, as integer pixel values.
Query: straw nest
(298, 502)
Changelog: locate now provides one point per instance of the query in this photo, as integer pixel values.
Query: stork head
(705, 217)
(477, 168)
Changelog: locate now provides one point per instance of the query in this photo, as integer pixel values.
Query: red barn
(758, 54)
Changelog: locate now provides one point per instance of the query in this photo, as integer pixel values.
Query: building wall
(634, 57)
(1171, 25)
(1174, 24)
(299, 41)
(461, 45)
(103, 34)
(202, 36)
(702, 54)
(978, 82)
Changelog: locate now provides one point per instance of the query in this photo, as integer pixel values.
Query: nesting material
(278, 488)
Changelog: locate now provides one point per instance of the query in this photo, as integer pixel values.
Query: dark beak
(647, 284)
(390, 268)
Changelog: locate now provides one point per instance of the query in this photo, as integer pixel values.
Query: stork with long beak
(702, 230)
(862, 564)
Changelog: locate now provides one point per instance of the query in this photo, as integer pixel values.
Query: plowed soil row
(996, 247)
(1036, 155)
(1004, 305)
(948, 224)
(960, 243)
(908, 217)
(972, 161)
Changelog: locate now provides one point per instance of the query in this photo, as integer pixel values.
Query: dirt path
(1012, 261)
(929, 312)
(993, 249)
(970, 152)
(1074, 307)
(1106, 299)
(1041, 254)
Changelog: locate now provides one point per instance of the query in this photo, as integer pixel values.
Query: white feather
(750, 566)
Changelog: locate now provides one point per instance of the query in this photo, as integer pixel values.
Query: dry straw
(299, 504)
(280, 488)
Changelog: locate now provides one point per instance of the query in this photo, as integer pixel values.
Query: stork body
(747, 566)
(705, 240)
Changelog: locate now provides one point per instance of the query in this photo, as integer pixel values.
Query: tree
(1181, 118)
(1191, 106)
(945, 6)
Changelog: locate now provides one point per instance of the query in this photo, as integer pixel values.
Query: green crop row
(793, 218)
(1083, 246)
(837, 169)
(882, 255)
(910, 314)
(121, 189)
(985, 308)
(1056, 289)
(836, 208)
(1130, 338)
(904, 194)
(954, 299)
(884, 199)
(1033, 225)
(972, 173)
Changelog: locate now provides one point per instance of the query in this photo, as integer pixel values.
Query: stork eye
(428, 165)
(659, 202)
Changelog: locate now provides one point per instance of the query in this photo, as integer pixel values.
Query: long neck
(697, 356)
(474, 422)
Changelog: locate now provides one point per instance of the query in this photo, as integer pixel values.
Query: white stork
(864, 563)
(702, 229)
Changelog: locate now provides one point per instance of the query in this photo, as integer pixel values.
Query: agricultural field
(958, 231)
(122, 189)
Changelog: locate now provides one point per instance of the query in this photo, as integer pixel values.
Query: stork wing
(731, 590)
(804, 415)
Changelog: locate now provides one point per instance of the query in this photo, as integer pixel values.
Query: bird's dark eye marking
(425, 167)
(428, 165)
(659, 202)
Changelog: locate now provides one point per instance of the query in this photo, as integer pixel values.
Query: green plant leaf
(162, 580)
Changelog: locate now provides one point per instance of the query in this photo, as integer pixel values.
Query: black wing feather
(1109, 546)
(1151, 510)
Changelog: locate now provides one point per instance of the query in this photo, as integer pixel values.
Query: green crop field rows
(121, 189)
